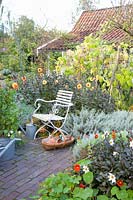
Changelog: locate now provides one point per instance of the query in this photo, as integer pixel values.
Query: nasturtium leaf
(114, 190)
(102, 197)
(88, 177)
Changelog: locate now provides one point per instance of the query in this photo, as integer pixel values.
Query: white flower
(19, 132)
(131, 144)
(85, 169)
(103, 135)
(115, 153)
(8, 135)
(106, 133)
(112, 178)
(111, 142)
(11, 132)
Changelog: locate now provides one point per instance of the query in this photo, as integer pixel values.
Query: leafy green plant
(112, 160)
(102, 65)
(8, 112)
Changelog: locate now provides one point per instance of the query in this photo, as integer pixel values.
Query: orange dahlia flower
(44, 82)
(79, 86)
(88, 85)
(23, 78)
(41, 74)
(40, 70)
(15, 85)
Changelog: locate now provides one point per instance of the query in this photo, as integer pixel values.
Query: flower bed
(105, 174)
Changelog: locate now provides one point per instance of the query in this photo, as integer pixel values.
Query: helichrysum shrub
(90, 121)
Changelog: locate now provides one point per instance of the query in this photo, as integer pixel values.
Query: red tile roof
(89, 23)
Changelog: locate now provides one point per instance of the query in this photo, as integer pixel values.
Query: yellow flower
(97, 77)
(92, 79)
(40, 70)
(82, 69)
(79, 86)
(57, 68)
(44, 82)
(88, 85)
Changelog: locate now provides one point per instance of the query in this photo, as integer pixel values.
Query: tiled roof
(89, 23)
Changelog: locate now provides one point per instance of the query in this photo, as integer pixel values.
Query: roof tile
(89, 23)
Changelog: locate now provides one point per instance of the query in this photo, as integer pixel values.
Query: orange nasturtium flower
(44, 82)
(15, 86)
(120, 183)
(40, 70)
(77, 168)
(113, 134)
(81, 185)
(88, 85)
(23, 78)
(79, 86)
(96, 136)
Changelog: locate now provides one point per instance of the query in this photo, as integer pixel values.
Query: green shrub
(46, 87)
(8, 112)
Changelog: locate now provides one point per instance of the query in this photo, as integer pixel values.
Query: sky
(47, 13)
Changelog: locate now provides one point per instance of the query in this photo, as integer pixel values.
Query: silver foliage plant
(89, 121)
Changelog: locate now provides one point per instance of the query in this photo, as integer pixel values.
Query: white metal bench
(62, 101)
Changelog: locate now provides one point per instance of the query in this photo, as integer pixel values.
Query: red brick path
(20, 177)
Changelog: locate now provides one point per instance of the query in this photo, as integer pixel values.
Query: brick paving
(21, 176)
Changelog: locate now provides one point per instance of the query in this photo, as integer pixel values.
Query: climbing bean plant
(103, 65)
